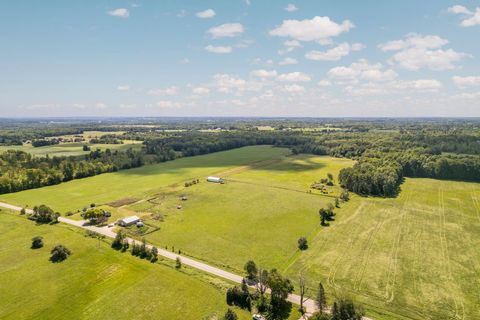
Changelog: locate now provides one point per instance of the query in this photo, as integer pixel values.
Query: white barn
(128, 221)
(215, 179)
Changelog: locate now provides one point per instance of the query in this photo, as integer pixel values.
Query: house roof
(130, 219)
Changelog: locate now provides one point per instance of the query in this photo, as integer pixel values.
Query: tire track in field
(444, 244)
(366, 252)
(476, 204)
(418, 254)
(393, 265)
(348, 245)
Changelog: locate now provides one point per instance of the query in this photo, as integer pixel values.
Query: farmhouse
(215, 179)
(128, 221)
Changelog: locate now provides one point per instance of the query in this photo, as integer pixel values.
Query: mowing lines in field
(352, 234)
(393, 265)
(476, 204)
(366, 250)
(444, 245)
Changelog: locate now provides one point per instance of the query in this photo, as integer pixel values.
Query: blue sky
(240, 58)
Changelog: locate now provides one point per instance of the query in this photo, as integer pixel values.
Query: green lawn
(96, 282)
(414, 257)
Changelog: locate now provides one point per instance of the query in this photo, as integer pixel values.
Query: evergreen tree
(321, 300)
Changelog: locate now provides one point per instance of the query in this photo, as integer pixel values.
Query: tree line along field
(96, 282)
(410, 257)
(70, 149)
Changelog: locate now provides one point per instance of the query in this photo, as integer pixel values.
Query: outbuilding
(215, 179)
(128, 221)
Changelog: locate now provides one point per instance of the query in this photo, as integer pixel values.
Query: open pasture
(139, 183)
(413, 257)
(96, 282)
(259, 213)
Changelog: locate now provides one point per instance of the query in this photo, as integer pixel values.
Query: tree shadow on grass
(281, 311)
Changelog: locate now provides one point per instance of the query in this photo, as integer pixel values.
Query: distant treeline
(21, 171)
(384, 157)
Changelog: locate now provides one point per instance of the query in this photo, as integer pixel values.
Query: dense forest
(386, 150)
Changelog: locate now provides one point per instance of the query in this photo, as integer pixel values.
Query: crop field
(413, 257)
(96, 282)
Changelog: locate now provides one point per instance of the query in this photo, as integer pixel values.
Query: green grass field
(96, 282)
(414, 257)
(258, 214)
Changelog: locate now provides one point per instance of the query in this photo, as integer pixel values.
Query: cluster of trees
(326, 214)
(43, 214)
(276, 306)
(106, 139)
(44, 142)
(372, 176)
(59, 253)
(95, 215)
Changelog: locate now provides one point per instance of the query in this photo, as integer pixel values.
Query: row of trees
(140, 250)
(20, 170)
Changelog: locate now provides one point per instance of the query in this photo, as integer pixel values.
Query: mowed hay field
(413, 257)
(95, 282)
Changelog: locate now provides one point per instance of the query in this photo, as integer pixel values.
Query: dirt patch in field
(122, 202)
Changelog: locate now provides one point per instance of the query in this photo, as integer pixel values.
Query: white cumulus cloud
(335, 53)
(120, 12)
(202, 91)
(361, 70)
(294, 88)
(226, 30)
(291, 7)
(170, 91)
(206, 14)
(218, 49)
(294, 77)
(470, 18)
(417, 51)
(319, 29)
(262, 73)
(288, 61)
(469, 81)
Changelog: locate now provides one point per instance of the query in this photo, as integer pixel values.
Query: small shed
(128, 221)
(215, 179)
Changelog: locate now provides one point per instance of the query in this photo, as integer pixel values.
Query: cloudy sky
(239, 58)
